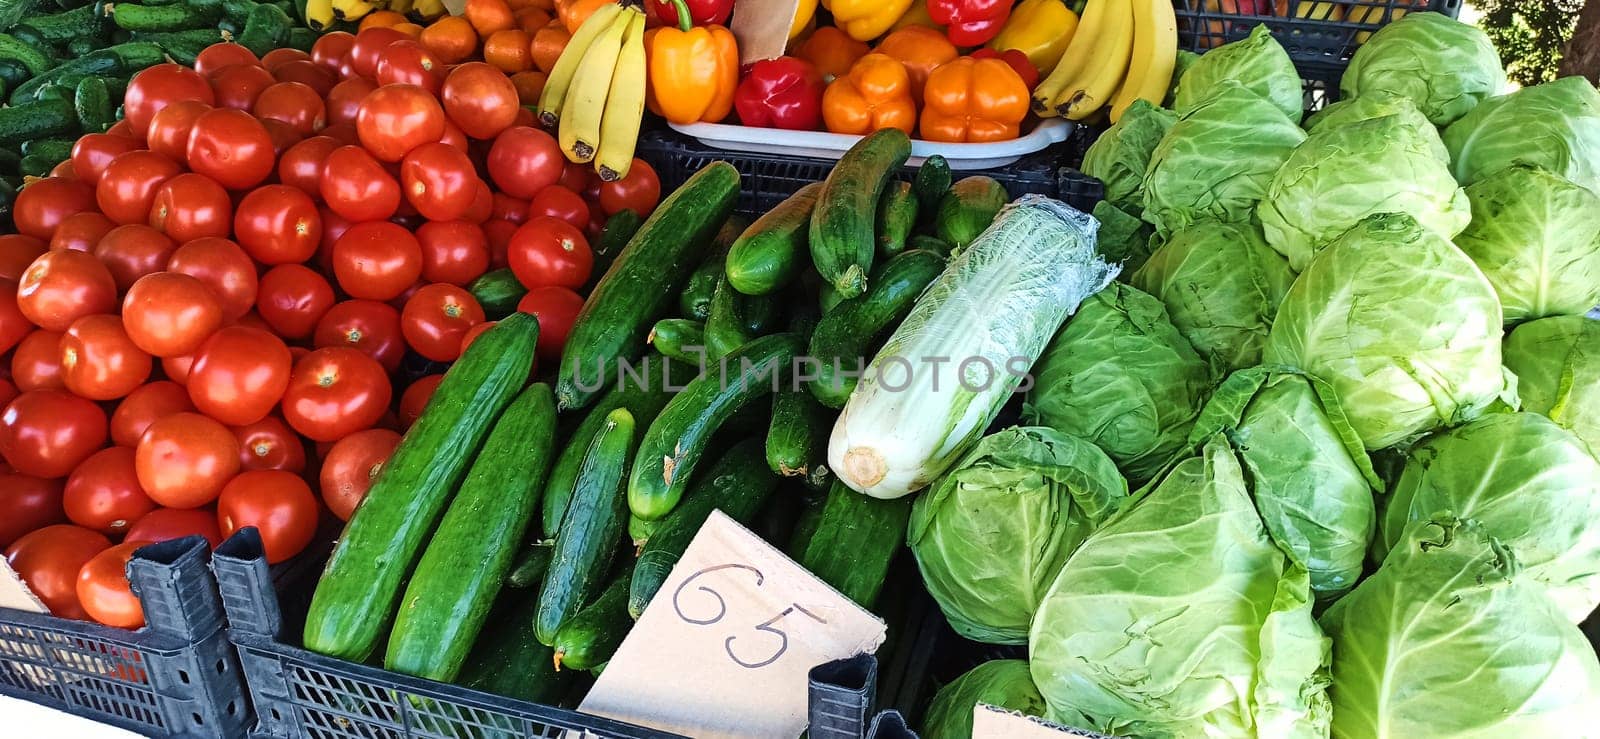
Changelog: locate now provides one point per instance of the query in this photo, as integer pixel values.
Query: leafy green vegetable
(1180, 66)
(1120, 156)
(1377, 104)
(1002, 682)
(1446, 66)
(1536, 236)
(1181, 618)
(1123, 238)
(992, 533)
(1256, 61)
(1557, 363)
(1401, 324)
(1555, 125)
(1120, 375)
(1222, 285)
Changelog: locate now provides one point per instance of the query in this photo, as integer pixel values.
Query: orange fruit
(529, 84)
(548, 42)
(450, 39)
(532, 19)
(488, 16)
(380, 19)
(510, 50)
(410, 29)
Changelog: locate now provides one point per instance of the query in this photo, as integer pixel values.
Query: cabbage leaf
(1536, 236)
(1557, 364)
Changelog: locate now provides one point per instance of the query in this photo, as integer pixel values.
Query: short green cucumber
(36, 120)
(856, 538)
(695, 300)
(594, 524)
(58, 150)
(301, 39)
(184, 46)
(177, 17)
(619, 228)
(843, 341)
(797, 440)
(265, 28)
(725, 325)
(507, 660)
(498, 292)
(13, 72)
(37, 60)
(772, 251)
(532, 563)
(58, 28)
(682, 339)
(841, 230)
(897, 215)
(92, 102)
(931, 183)
(968, 209)
(591, 636)
(762, 313)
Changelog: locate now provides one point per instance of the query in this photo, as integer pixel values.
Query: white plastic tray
(823, 145)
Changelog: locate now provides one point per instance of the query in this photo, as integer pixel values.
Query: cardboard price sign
(762, 28)
(724, 647)
(989, 722)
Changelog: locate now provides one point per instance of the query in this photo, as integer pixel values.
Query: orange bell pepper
(920, 49)
(875, 94)
(974, 100)
(831, 51)
(694, 71)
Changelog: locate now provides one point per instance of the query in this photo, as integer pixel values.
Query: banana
(1155, 51)
(1073, 59)
(1106, 69)
(581, 114)
(619, 130)
(399, 6)
(349, 10)
(560, 79)
(428, 9)
(319, 14)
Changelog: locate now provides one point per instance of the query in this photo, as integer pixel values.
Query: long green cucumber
(931, 183)
(619, 229)
(797, 441)
(930, 243)
(355, 598)
(682, 339)
(593, 635)
(596, 517)
(531, 564)
(508, 660)
(841, 232)
(842, 342)
(967, 209)
(772, 251)
(695, 300)
(725, 325)
(897, 216)
(640, 530)
(855, 540)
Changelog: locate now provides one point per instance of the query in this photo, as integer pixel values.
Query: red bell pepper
(970, 22)
(1014, 59)
(701, 12)
(781, 93)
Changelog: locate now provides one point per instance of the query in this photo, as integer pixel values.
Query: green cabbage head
(1003, 683)
(1447, 639)
(991, 534)
(1120, 156)
(1377, 104)
(1555, 125)
(1217, 159)
(1120, 375)
(1532, 484)
(1257, 61)
(1536, 236)
(1123, 238)
(1401, 324)
(1447, 67)
(1181, 618)
(1343, 174)
(1222, 285)
(1557, 364)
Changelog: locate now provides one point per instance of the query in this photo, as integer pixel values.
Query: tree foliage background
(1530, 34)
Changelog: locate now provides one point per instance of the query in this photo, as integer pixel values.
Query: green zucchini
(856, 538)
(531, 564)
(595, 520)
(619, 228)
(498, 292)
(672, 446)
(177, 17)
(612, 326)
(897, 215)
(931, 183)
(841, 229)
(695, 300)
(682, 339)
(92, 102)
(725, 326)
(507, 660)
(968, 209)
(797, 440)
(36, 120)
(772, 251)
(591, 636)
(930, 243)
(736, 484)
(37, 60)
(467, 558)
(356, 596)
(843, 341)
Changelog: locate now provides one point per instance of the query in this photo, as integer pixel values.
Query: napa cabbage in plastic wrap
(1447, 67)
(1181, 618)
(1221, 284)
(1536, 236)
(1378, 104)
(1401, 324)
(1343, 174)
(1123, 238)
(1003, 683)
(1216, 161)
(1120, 156)
(991, 534)
(1448, 639)
(1555, 125)
(1532, 484)
(1557, 364)
(1257, 61)
(1120, 375)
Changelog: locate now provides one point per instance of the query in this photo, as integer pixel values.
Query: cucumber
(466, 561)
(265, 28)
(736, 484)
(31, 36)
(805, 526)
(301, 38)
(897, 215)
(841, 230)
(681, 339)
(83, 45)
(590, 638)
(856, 538)
(828, 299)
(612, 326)
(67, 25)
(968, 209)
(725, 326)
(498, 292)
(184, 46)
(695, 300)
(507, 660)
(37, 60)
(596, 517)
(36, 120)
(356, 594)
(762, 313)
(10, 161)
(35, 165)
(531, 564)
(92, 102)
(640, 531)
(672, 446)
(930, 243)
(772, 251)
(13, 72)
(178, 17)
(619, 228)
(844, 338)
(931, 183)
(797, 440)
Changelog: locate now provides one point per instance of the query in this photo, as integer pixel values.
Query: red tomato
(376, 260)
(133, 251)
(269, 444)
(556, 308)
(453, 136)
(32, 503)
(239, 374)
(166, 524)
(79, 232)
(333, 226)
(407, 63)
(159, 86)
(559, 202)
(177, 369)
(42, 204)
(550, 252)
(416, 397)
(639, 192)
(482, 204)
(279, 504)
(578, 177)
(170, 128)
(36, 362)
(8, 392)
(103, 589)
(344, 100)
(223, 267)
(367, 325)
(480, 99)
(435, 319)
(294, 104)
(238, 85)
(524, 161)
(395, 119)
(129, 183)
(49, 559)
(506, 208)
(306, 72)
(473, 333)
(292, 299)
(17, 251)
(278, 224)
(344, 133)
(62, 286)
(330, 49)
(223, 54)
(351, 465)
(143, 406)
(46, 433)
(279, 57)
(93, 151)
(356, 186)
(454, 252)
(231, 147)
(282, 134)
(335, 392)
(368, 47)
(103, 493)
(301, 166)
(499, 232)
(124, 129)
(525, 118)
(99, 361)
(168, 314)
(184, 459)
(14, 326)
(191, 206)
(439, 180)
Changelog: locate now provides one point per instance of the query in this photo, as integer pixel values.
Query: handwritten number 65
(722, 611)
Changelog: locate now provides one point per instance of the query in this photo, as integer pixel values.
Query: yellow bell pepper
(1040, 29)
(803, 16)
(917, 15)
(866, 20)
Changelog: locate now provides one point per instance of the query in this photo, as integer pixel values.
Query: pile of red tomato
(215, 311)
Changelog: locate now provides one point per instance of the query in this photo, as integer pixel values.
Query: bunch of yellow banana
(1122, 51)
(321, 14)
(594, 96)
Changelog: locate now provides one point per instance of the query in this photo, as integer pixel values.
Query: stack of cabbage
(1404, 278)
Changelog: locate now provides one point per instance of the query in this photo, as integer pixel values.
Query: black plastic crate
(1317, 32)
(177, 676)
